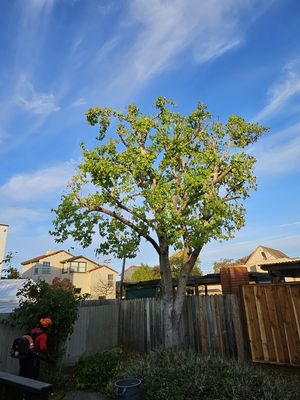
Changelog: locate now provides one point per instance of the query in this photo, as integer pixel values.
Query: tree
(228, 262)
(177, 263)
(177, 181)
(145, 273)
(10, 272)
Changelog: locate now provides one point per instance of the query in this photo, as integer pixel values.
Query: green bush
(186, 375)
(39, 300)
(94, 372)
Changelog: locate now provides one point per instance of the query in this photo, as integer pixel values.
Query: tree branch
(120, 218)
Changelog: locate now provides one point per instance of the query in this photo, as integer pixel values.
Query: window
(81, 267)
(65, 269)
(110, 279)
(263, 255)
(77, 266)
(46, 269)
(36, 270)
(46, 263)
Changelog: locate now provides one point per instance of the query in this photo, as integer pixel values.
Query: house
(130, 271)
(88, 277)
(261, 255)
(283, 268)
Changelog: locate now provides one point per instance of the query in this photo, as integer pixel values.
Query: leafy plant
(94, 372)
(58, 302)
(9, 271)
(186, 375)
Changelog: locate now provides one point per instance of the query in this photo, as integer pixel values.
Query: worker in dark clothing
(30, 366)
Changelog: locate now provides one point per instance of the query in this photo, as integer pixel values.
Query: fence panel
(95, 330)
(7, 335)
(209, 325)
(273, 320)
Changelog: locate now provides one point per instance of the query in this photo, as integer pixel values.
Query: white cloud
(79, 102)
(280, 153)
(282, 91)
(38, 103)
(169, 27)
(43, 183)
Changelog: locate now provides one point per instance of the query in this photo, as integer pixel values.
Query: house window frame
(75, 266)
(65, 269)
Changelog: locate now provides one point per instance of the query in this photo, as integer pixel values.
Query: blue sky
(61, 57)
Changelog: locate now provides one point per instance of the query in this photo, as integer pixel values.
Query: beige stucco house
(88, 277)
(262, 255)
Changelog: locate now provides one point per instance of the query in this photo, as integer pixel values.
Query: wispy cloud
(33, 186)
(170, 33)
(282, 91)
(280, 153)
(37, 103)
(79, 102)
(296, 223)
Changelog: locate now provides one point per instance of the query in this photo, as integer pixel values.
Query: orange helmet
(45, 322)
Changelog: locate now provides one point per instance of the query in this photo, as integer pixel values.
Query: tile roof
(275, 253)
(38, 258)
(282, 260)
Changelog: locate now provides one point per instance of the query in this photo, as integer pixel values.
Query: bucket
(128, 389)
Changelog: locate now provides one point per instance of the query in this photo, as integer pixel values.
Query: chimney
(3, 236)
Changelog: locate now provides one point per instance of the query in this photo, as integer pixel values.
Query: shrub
(186, 375)
(94, 372)
(38, 300)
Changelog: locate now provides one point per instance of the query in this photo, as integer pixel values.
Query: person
(30, 366)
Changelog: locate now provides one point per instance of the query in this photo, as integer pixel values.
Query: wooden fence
(210, 324)
(273, 319)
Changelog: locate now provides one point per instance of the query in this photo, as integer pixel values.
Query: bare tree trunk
(173, 302)
(171, 317)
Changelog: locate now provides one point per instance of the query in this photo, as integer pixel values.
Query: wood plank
(230, 328)
(261, 312)
(272, 305)
(278, 292)
(291, 331)
(252, 321)
(224, 325)
(202, 326)
(238, 329)
(294, 293)
(267, 325)
(219, 325)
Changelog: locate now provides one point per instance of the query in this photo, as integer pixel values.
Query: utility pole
(3, 236)
(122, 279)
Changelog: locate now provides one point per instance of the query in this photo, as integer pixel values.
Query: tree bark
(173, 302)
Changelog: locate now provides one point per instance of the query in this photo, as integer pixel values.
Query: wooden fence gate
(273, 320)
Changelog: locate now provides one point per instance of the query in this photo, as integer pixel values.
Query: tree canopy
(178, 181)
(228, 262)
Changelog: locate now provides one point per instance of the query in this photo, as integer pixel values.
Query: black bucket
(128, 389)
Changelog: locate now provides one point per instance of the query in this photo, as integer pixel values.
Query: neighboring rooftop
(38, 258)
